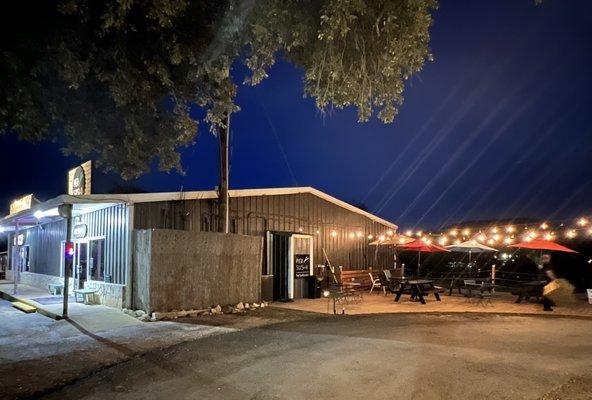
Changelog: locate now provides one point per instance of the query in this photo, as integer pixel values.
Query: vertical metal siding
(255, 215)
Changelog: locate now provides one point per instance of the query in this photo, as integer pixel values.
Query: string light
(494, 229)
(571, 234)
(381, 238)
(443, 240)
(544, 226)
(583, 221)
(370, 237)
(510, 229)
(333, 233)
(409, 232)
(419, 233)
(389, 232)
(454, 232)
(508, 240)
(482, 238)
(359, 234)
(352, 235)
(466, 232)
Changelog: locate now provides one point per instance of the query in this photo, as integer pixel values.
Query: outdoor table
(529, 289)
(417, 288)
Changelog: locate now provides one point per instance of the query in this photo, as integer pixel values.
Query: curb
(31, 303)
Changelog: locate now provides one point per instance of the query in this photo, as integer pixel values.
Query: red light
(69, 250)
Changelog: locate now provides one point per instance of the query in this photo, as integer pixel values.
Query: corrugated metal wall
(300, 213)
(110, 223)
(44, 241)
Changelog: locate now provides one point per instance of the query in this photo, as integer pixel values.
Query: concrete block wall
(181, 270)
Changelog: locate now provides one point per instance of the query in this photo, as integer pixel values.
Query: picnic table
(531, 289)
(417, 288)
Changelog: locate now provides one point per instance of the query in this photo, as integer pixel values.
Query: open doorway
(290, 261)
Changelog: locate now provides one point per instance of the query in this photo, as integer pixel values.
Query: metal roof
(81, 203)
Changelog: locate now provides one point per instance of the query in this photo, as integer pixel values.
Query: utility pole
(223, 198)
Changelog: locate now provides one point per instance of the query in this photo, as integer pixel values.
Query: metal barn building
(299, 226)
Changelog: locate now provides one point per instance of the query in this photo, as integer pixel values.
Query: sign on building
(79, 179)
(23, 203)
(301, 265)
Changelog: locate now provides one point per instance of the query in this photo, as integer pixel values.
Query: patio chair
(375, 282)
(385, 283)
(387, 274)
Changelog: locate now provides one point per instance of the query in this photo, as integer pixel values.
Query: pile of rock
(141, 315)
(237, 309)
(229, 309)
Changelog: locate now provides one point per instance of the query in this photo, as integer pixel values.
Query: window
(96, 260)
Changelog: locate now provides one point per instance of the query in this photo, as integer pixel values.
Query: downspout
(129, 280)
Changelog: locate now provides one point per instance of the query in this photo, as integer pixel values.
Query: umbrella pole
(418, 262)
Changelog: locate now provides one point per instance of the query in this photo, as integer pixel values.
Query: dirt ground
(286, 354)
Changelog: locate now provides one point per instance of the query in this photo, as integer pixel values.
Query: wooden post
(493, 276)
(224, 134)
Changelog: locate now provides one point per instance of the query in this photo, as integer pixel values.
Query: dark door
(280, 250)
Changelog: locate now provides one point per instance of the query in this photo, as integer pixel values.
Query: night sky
(498, 126)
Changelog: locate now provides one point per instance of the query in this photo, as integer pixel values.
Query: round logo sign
(78, 182)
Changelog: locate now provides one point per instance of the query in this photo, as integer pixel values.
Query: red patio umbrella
(540, 244)
(421, 246)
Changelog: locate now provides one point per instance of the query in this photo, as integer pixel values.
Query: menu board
(301, 265)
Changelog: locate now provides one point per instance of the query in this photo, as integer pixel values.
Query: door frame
(292, 236)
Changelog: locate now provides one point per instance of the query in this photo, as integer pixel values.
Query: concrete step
(23, 307)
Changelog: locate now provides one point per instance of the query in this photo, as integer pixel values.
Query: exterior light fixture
(318, 231)
(300, 229)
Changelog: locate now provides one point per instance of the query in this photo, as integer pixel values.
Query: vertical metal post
(16, 267)
(66, 212)
(224, 133)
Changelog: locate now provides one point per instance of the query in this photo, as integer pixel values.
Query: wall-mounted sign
(19, 239)
(80, 231)
(301, 265)
(23, 203)
(79, 179)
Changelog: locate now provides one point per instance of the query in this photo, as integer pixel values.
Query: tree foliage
(115, 79)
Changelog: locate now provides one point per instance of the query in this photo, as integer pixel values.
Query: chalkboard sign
(301, 265)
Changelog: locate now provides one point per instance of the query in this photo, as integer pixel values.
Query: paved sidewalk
(38, 353)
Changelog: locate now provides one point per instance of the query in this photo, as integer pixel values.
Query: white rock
(247, 306)
(216, 310)
(255, 305)
(139, 313)
(240, 306)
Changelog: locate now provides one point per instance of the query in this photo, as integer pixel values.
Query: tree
(116, 79)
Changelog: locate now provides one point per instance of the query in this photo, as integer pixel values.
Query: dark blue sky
(498, 126)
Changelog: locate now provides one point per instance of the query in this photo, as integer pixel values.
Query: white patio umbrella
(470, 246)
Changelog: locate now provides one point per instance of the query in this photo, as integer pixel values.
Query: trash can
(267, 287)
(314, 288)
